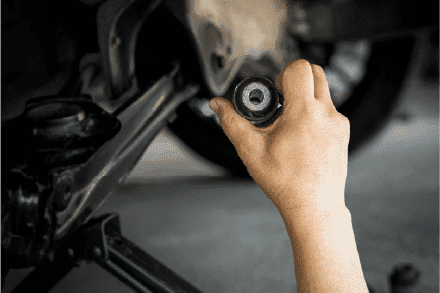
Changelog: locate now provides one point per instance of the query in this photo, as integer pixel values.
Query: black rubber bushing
(260, 117)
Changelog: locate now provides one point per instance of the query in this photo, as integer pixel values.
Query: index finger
(296, 84)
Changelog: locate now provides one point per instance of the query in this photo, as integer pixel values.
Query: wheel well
(163, 39)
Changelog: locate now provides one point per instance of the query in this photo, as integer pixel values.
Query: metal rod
(139, 270)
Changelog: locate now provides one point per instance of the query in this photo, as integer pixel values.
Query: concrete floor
(225, 235)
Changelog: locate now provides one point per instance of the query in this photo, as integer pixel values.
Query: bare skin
(300, 163)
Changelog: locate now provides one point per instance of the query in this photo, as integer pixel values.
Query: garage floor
(225, 235)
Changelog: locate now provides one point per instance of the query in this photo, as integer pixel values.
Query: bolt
(172, 117)
(97, 251)
(62, 190)
(70, 253)
(81, 116)
(301, 28)
(115, 42)
(217, 62)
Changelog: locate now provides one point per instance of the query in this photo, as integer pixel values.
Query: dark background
(224, 235)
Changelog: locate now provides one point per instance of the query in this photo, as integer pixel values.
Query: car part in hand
(257, 99)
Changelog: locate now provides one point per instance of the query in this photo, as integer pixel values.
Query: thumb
(238, 129)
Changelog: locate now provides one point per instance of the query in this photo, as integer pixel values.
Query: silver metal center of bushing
(247, 96)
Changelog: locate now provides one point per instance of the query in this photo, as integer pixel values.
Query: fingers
(322, 92)
(238, 129)
(296, 83)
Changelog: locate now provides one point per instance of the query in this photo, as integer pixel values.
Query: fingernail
(213, 106)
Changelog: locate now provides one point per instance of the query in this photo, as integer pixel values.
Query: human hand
(300, 161)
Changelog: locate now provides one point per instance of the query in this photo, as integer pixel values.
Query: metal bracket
(215, 45)
(221, 46)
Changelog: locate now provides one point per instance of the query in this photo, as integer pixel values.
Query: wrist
(309, 201)
(316, 220)
(313, 211)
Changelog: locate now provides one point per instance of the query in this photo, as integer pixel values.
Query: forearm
(324, 251)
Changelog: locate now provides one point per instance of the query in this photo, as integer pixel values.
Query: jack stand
(100, 241)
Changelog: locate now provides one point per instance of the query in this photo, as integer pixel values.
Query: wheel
(364, 78)
(367, 104)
